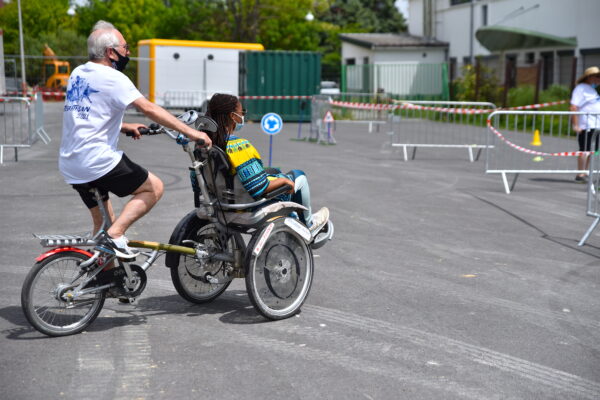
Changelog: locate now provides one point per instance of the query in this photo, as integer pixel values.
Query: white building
(518, 31)
(400, 64)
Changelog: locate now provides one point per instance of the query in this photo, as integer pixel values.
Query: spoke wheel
(189, 278)
(279, 277)
(45, 297)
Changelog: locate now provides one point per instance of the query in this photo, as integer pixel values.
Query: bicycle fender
(182, 230)
(57, 250)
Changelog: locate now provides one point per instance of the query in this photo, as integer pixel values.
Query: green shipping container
(279, 73)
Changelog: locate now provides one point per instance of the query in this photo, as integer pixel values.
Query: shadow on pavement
(233, 306)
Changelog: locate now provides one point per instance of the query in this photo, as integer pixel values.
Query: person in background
(585, 98)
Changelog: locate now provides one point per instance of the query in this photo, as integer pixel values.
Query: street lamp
(309, 17)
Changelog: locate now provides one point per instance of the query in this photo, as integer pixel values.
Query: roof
(500, 38)
(389, 40)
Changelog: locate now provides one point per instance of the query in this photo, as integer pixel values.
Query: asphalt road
(437, 285)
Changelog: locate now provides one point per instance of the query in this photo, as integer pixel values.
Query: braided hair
(219, 108)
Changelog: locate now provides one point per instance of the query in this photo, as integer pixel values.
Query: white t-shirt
(96, 99)
(586, 99)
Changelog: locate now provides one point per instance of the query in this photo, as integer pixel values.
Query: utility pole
(23, 75)
(471, 32)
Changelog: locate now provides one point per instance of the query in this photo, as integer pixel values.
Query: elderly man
(97, 95)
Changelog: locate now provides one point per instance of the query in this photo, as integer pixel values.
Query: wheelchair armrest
(281, 190)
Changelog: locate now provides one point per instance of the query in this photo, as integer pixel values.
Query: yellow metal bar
(162, 246)
(152, 72)
(198, 43)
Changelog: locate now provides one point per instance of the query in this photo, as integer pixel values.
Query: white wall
(409, 54)
(187, 72)
(564, 18)
(350, 50)
(427, 55)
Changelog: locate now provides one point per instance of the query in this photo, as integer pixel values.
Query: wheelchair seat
(232, 201)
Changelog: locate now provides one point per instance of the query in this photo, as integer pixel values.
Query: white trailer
(185, 73)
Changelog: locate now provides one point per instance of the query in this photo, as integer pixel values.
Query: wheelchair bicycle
(65, 290)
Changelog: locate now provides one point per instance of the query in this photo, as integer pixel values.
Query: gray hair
(102, 37)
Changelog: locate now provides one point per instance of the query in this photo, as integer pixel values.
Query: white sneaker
(319, 219)
(120, 248)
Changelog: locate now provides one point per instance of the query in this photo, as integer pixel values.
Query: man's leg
(97, 215)
(144, 198)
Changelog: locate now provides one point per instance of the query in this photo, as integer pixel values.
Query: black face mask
(121, 63)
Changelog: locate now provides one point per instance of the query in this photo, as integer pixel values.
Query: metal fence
(593, 197)
(373, 119)
(403, 80)
(440, 124)
(196, 99)
(526, 142)
(21, 123)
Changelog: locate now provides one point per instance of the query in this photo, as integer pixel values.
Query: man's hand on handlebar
(196, 136)
(133, 129)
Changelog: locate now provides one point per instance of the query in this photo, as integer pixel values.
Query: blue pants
(301, 194)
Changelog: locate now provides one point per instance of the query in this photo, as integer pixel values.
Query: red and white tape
(534, 106)
(405, 105)
(409, 106)
(274, 97)
(55, 94)
(535, 152)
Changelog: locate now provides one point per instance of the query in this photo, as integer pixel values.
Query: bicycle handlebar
(155, 129)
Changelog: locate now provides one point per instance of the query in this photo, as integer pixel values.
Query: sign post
(328, 119)
(271, 124)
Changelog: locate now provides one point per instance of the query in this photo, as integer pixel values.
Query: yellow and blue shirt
(246, 163)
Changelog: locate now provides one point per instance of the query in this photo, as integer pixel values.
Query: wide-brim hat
(588, 72)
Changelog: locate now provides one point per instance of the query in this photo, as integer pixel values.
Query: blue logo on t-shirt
(78, 91)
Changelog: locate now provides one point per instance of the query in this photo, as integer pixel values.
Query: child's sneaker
(319, 220)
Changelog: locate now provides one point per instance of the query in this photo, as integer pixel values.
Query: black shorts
(122, 180)
(585, 140)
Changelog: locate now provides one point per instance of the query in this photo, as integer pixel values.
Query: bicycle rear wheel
(44, 297)
(189, 277)
(279, 275)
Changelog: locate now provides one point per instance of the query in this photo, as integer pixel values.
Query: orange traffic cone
(536, 138)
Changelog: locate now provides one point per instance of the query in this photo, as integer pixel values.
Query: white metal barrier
(373, 118)
(526, 142)
(21, 124)
(439, 124)
(39, 118)
(16, 124)
(593, 197)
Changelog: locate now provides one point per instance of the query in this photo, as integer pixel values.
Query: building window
(365, 60)
(484, 15)
(565, 67)
(457, 2)
(350, 61)
(529, 58)
(591, 57)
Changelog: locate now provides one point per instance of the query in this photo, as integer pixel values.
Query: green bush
(489, 88)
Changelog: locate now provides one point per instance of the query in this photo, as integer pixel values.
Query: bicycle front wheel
(44, 297)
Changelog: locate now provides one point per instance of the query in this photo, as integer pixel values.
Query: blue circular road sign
(271, 123)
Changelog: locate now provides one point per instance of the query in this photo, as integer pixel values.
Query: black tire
(186, 276)
(279, 276)
(47, 311)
